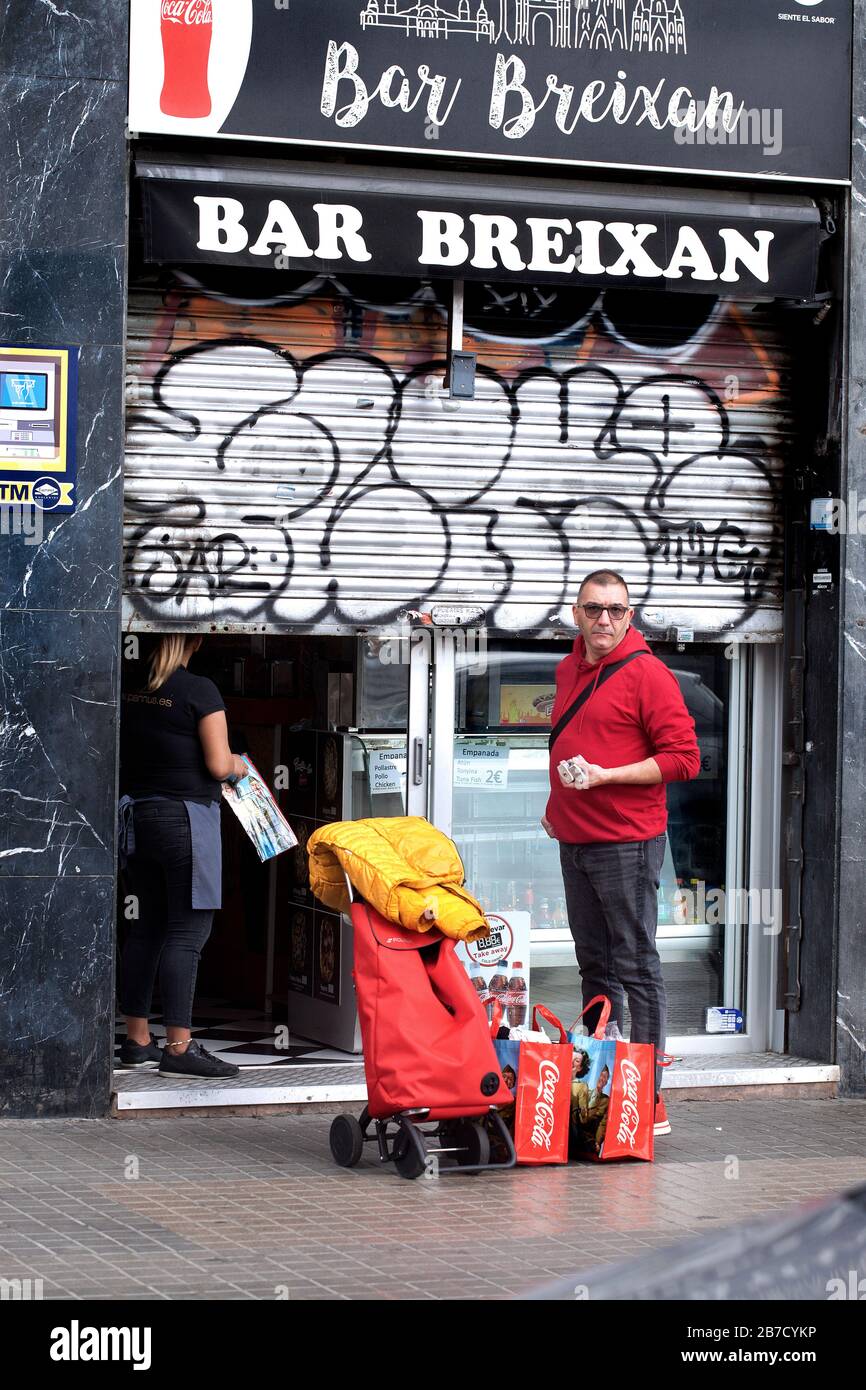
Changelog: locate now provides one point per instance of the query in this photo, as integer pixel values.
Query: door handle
(417, 762)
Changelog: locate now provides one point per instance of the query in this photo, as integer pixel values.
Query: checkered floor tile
(245, 1038)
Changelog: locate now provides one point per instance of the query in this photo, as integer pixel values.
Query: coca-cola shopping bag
(541, 1077)
(612, 1094)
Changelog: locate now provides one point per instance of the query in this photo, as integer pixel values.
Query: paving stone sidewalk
(255, 1208)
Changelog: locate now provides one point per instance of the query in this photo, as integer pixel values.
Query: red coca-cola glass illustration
(187, 28)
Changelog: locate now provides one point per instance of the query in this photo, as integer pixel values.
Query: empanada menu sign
(735, 87)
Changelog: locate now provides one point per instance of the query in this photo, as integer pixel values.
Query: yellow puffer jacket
(403, 866)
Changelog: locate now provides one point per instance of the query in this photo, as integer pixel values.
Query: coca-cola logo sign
(629, 1119)
(543, 1118)
(187, 11)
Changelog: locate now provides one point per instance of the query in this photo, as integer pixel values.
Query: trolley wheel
(347, 1140)
(408, 1152)
(473, 1143)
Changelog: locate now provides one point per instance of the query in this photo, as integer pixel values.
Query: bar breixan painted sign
(661, 84)
(392, 234)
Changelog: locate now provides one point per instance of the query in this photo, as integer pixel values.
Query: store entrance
(325, 721)
(348, 726)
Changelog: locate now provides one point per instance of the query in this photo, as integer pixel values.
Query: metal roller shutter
(295, 462)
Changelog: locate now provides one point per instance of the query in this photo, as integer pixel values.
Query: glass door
(390, 764)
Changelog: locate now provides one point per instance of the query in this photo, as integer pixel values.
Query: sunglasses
(616, 611)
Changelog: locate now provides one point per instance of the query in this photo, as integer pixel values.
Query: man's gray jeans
(611, 893)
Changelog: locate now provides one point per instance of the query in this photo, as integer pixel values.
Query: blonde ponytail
(172, 651)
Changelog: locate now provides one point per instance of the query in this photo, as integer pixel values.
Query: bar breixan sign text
(490, 242)
(716, 250)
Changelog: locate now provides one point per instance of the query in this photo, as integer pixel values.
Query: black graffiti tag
(549, 470)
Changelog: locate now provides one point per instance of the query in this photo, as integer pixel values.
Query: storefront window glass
(500, 792)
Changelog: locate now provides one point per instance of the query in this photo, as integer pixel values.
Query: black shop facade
(435, 309)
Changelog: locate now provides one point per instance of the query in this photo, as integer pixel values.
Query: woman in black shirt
(174, 753)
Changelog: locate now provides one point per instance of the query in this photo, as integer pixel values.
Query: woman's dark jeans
(611, 893)
(168, 934)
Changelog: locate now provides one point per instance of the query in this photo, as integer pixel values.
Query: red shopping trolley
(428, 1057)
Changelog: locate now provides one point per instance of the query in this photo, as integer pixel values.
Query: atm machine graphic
(30, 411)
(37, 418)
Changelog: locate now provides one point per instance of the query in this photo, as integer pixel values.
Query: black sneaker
(139, 1056)
(194, 1061)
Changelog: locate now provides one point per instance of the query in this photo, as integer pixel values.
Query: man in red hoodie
(620, 731)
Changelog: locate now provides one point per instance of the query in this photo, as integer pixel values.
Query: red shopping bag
(542, 1097)
(612, 1094)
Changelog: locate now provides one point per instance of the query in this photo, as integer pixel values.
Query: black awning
(339, 219)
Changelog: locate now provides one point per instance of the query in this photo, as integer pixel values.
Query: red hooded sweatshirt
(638, 713)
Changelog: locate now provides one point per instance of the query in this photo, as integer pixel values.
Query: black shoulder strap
(584, 695)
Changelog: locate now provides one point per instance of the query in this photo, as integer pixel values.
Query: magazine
(254, 805)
